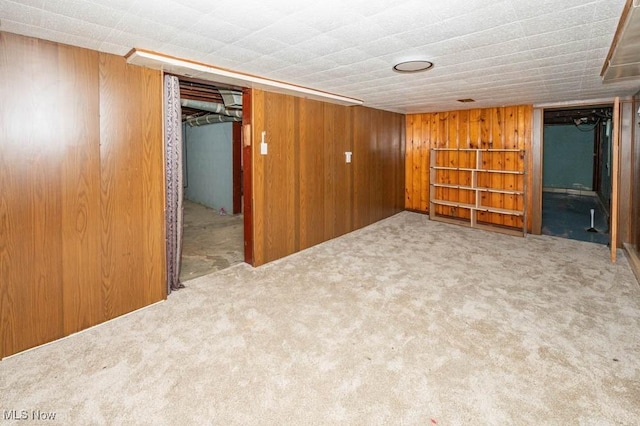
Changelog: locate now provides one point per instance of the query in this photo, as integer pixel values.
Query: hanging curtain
(173, 158)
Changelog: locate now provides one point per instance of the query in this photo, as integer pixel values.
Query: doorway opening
(213, 222)
(577, 173)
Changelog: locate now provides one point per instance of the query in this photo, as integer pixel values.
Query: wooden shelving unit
(480, 188)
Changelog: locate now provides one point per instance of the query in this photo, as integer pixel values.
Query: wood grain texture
(364, 174)
(237, 167)
(81, 298)
(615, 178)
(338, 183)
(629, 126)
(409, 164)
(31, 156)
(279, 176)
(132, 208)
(82, 200)
(312, 173)
(149, 84)
(504, 127)
(635, 179)
(247, 175)
(304, 191)
(259, 217)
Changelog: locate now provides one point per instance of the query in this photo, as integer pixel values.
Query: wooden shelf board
(499, 210)
(453, 204)
(506, 172)
(500, 150)
(452, 186)
(463, 169)
(475, 209)
(499, 191)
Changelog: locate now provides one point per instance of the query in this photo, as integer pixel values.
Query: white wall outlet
(347, 156)
(263, 145)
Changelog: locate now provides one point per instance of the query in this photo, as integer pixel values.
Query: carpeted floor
(407, 321)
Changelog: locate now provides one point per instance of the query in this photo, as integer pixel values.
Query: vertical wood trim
(423, 176)
(408, 164)
(247, 175)
(152, 175)
(257, 117)
(237, 167)
(627, 117)
(615, 179)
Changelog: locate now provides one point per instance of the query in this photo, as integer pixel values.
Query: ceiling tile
(19, 13)
(495, 51)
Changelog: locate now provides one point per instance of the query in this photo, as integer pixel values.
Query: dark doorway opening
(577, 178)
(213, 223)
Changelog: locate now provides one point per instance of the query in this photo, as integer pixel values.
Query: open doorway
(577, 173)
(213, 235)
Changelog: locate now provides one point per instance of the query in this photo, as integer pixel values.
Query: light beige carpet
(407, 321)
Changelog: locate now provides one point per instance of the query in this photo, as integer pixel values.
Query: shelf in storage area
(446, 192)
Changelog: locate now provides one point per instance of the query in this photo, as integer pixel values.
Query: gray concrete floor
(568, 216)
(210, 241)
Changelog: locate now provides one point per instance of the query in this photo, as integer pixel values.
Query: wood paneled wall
(502, 127)
(81, 199)
(304, 191)
(378, 155)
(630, 178)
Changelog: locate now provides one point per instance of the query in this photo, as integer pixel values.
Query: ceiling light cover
(413, 66)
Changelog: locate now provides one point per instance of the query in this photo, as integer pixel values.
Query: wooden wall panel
(148, 86)
(121, 195)
(82, 297)
(31, 214)
(634, 238)
(304, 191)
(312, 173)
(364, 174)
(275, 177)
(378, 165)
(54, 183)
(338, 183)
(504, 127)
(258, 111)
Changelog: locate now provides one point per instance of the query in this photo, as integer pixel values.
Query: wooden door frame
(247, 174)
(237, 167)
(536, 164)
(615, 179)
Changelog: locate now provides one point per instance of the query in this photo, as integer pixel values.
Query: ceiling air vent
(467, 100)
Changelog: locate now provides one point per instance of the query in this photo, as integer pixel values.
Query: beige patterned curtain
(173, 158)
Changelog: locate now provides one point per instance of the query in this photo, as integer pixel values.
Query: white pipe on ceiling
(210, 107)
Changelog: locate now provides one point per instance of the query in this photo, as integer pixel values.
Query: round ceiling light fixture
(413, 66)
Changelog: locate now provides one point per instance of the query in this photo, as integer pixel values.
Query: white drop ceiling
(498, 52)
